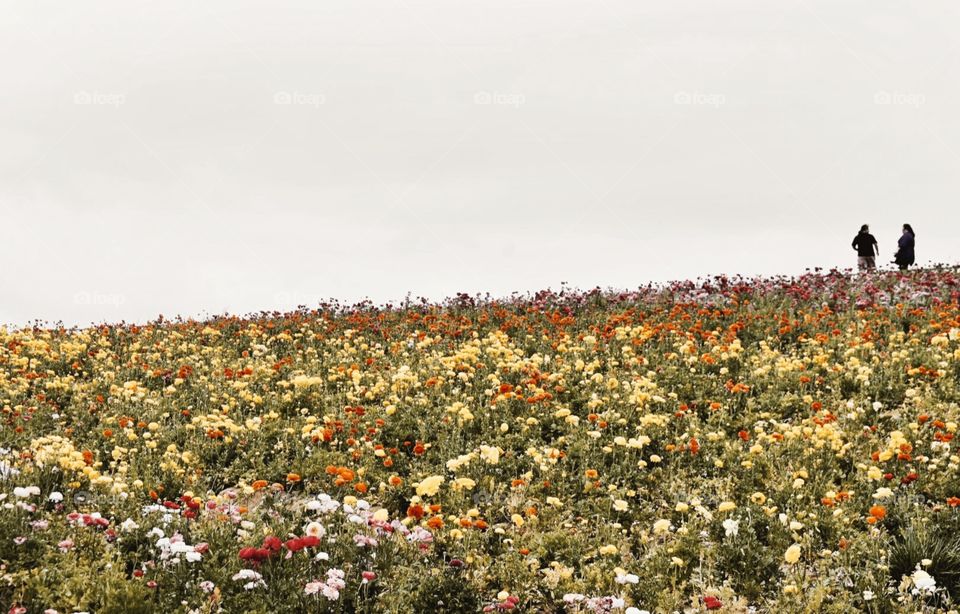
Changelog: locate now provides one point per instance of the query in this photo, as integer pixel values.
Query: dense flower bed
(727, 444)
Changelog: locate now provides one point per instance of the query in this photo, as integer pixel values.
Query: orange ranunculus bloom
(395, 480)
(878, 511)
(360, 487)
(591, 474)
(258, 484)
(435, 522)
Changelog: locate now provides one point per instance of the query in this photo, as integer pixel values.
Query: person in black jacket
(905, 255)
(867, 249)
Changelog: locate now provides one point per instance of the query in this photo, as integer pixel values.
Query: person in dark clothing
(867, 250)
(905, 255)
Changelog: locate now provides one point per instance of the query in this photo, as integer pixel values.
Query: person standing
(867, 249)
(905, 255)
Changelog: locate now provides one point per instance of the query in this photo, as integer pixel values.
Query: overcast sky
(199, 157)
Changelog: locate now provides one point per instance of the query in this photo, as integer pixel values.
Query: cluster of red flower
(272, 546)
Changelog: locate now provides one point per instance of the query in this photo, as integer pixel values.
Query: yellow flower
(608, 549)
(727, 506)
(429, 486)
(661, 526)
(490, 454)
(461, 483)
(792, 555)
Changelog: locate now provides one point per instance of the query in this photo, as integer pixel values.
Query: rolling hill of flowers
(729, 444)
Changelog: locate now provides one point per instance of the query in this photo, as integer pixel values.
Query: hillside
(781, 444)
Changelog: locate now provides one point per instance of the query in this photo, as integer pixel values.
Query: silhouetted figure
(905, 256)
(867, 250)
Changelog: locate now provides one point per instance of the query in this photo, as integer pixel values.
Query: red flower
(272, 542)
(712, 603)
(310, 541)
(294, 545)
(247, 554)
(261, 554)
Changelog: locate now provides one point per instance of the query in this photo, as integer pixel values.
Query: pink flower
(368, 576)
(65, 545)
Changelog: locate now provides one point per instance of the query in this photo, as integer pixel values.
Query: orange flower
(257, 485)
(360, 487)
(435, 522)
(415, 511)
(395, 480)
(591, 474)
(878, 511)
(953, 501)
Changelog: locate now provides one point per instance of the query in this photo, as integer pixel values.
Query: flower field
(733, 445)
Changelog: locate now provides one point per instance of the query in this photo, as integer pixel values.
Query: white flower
(246, 574)
(731, 527)
(314, 529)
(129, 525)
(628, 578)
(923, 581)
(620, 505)
(193, 556)
(868, 595)
(25, 492)
(633, 610)
(55, 497)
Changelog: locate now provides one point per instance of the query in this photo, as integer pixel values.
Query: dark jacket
(864, 243)
(905, 253)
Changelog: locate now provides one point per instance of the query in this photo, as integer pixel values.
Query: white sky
(148, 164)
